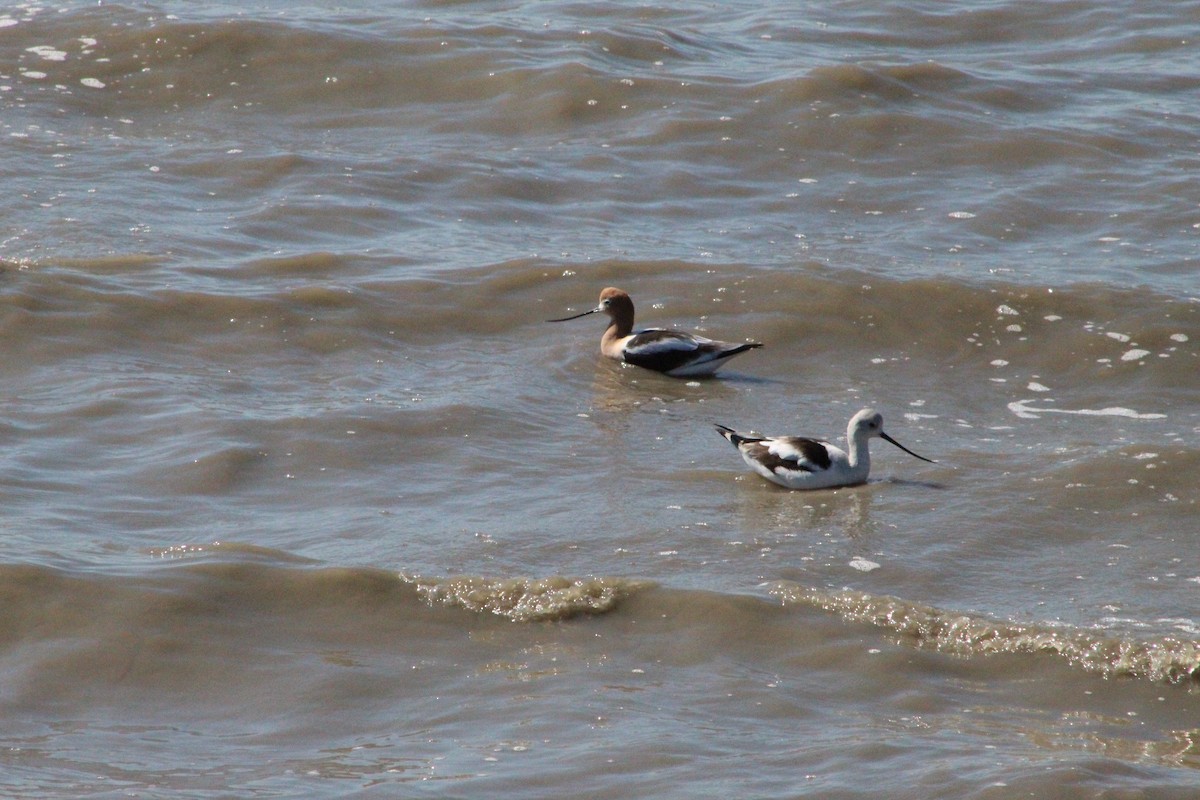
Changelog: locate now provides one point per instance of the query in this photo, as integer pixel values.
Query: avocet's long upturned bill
(800, 463)
(675, 353)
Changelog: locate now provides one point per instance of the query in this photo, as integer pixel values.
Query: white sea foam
(1022, 409)
(47, 52)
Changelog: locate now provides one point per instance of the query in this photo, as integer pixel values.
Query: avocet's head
(613, 301)
(868, 423)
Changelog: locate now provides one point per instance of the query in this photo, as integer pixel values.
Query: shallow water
(302, 496)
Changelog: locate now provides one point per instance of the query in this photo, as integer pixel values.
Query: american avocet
(675, 353)
(800, 463)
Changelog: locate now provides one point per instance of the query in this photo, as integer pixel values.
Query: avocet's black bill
(577, 316)
(905, 449)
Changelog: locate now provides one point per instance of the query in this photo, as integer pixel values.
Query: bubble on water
(1134, 355)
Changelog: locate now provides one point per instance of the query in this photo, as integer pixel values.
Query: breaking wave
(1164, 659)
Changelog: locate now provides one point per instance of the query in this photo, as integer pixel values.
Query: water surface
(302, 496)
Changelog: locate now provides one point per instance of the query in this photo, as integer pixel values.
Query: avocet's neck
(858, 449)
(620, 312)
(612, 340)
(615, 331)
(620, 325)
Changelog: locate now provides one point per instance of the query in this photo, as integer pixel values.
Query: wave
(1048, 344)
(214, 596)
(317, 280)
(1164, 659)
(528, 599)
